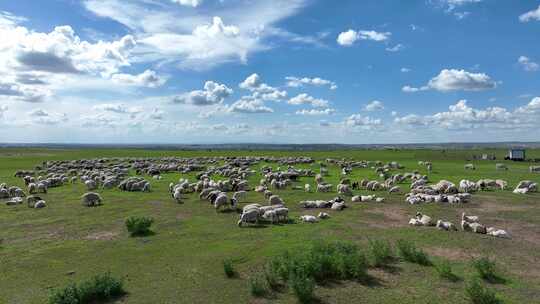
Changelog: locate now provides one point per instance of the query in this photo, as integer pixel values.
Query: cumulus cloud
(456, 80)
(213, 93)
(349, 37)
(148, 78)
(315, 112)
(249, 105)
(527, 64)
(405, 70)
(374, 105)
(262, 90)
(40, 116)
(303, 99)
(533, 15)
(296, 82)
(3, 109)
(118, 108)
(462, 116)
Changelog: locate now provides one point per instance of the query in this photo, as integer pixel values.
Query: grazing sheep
(501, 184)
(395, 189)
(324, 187)
(308, 219)
(91, 199)
(40, 204)
(239, 196)
(526, 186)
(467, 186)
(41, 188)
(249, 216)
(267, 194)
(32, 200)
(344, 189)
(32, 188)
(90, 185)
(275, 200)
(318, 178)
(270, 215)
(534, 169)
(220, 201)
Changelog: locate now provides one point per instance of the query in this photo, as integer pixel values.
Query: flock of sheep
(223, 182)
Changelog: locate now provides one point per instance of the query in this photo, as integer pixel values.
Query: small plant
(272, 277)
(257, 286)
(487, 270)
(98, 289)
(444, 269)
(228, 268)
(139, 226)
(479, 294)
(381, 253)
(302, 286)
(410, 253)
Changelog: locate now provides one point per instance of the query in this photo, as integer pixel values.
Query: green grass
(410, 253)
(183, 260)
(99, 289)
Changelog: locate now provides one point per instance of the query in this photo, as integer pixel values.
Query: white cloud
(249, 105)
(296, 82)
(461, 15)
(366, 122)
(398, 47)
(3, 109)
(528, 65)
(213, 93)
(456, 80)
(42, 117)
(148, 78)
(201, 40)
(374, 105)
(193, 3)
(302, 99)
(533, 107)
(262, 90)
(118, 108)
(315, 112)
(405, 70)
(531, 15)
(349, 37)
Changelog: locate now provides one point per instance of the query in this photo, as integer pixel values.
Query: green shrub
(381, 253)
(228, 268)
(487, 270)
(272, 277)
(257, 286)
(138, 226)
(479, 294)
(99, 288)
(302, 286)
(410, 253)
(444, 269)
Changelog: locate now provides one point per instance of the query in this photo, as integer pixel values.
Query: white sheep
(308, 219)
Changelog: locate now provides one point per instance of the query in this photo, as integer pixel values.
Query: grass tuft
(257, 286)
(479, 294)
(408, 251)
(487, 270)
(444, 269)
(139, 226)
(100, 288)
(228, 268)
(381, 253)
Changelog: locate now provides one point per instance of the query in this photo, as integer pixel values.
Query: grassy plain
(182, 262)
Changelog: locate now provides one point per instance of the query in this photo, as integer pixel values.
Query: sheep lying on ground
(443, 225)
(323, 215)
(525, 187)
(335, 204)
(421, 220)
(91, 199)
(367, 198)
(309, 219)
(14, 201)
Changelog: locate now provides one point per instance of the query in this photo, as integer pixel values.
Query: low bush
(139, 226)
(444, 269)
(479, 294)
(257, 286)
(487, 270)
(99, 288)
(302, 286)
(381, 253)
(408, 251)
(228, 268)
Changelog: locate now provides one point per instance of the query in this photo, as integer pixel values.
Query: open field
(44, 249)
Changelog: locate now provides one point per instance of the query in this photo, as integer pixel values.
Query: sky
(260, 71)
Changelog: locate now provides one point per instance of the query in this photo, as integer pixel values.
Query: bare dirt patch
(394, 217)
(452, 254)
(102, 236)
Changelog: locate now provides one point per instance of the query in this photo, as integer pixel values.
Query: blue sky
(284, 71)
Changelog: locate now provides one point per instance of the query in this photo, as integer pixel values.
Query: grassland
(182, 263)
